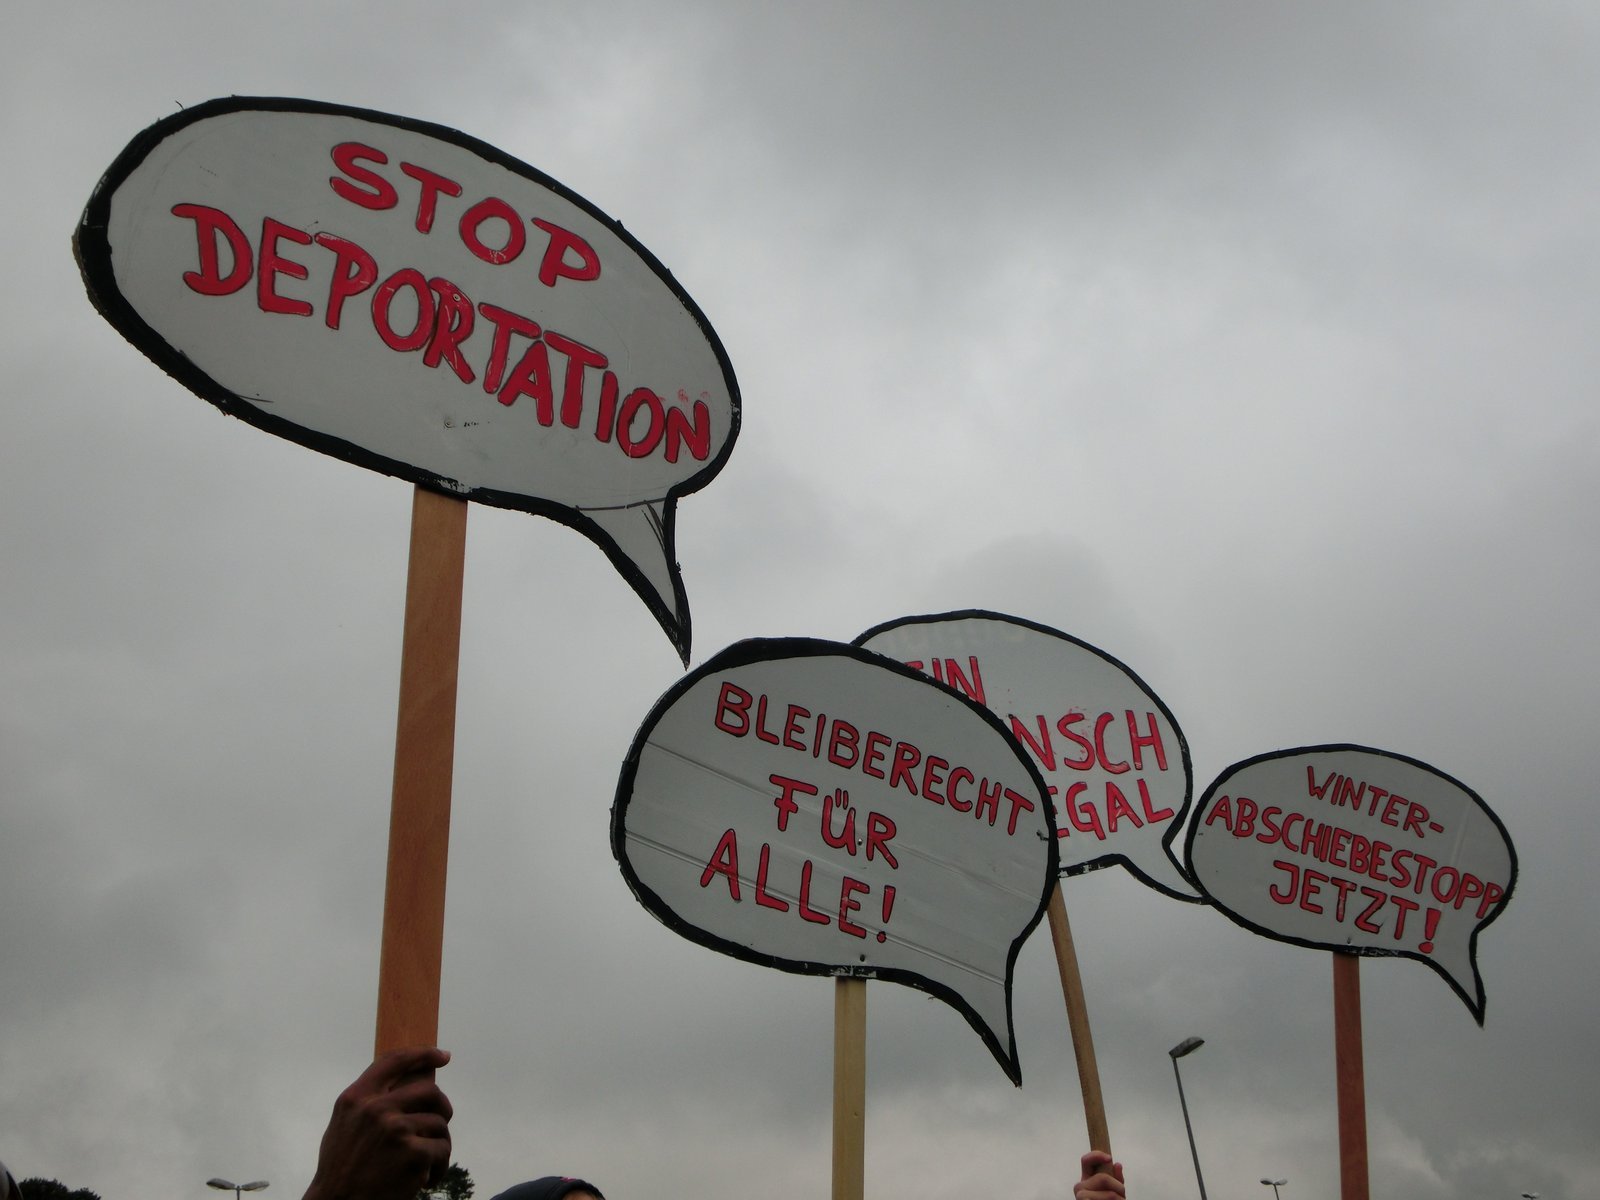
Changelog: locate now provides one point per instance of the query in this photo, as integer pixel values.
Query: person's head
(552, 1187)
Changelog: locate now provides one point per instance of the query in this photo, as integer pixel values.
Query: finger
(419, 1096)
(423, 1143)
(437, 1150)
(424, 1126)
(1093, 1161)
(400, 1066)
(1100, 1186)
(441, 1165)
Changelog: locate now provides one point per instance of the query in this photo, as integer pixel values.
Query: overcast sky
(1253, 344)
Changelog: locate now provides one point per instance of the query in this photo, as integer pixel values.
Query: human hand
(390, 1131)
(1102, 1178)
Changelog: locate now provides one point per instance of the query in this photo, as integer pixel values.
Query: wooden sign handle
(849, 1088)
(1350, 1068)
(424, 758)
(1094, 1107)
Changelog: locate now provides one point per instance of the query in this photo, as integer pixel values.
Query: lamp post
(1188, 1046)
(222, 1185)
(1275, 1184)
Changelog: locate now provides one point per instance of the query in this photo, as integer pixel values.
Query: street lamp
(1275, 1184)
(222, 1185)
(1187, 1046)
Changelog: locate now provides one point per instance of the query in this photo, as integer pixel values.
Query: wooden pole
(1094, 1107)
(1348, 1063)
(424, 757)
(849, 1088)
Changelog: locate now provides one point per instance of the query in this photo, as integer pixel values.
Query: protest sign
(810, 806)
(405, 297)
(1114, 761)
(1353, 849)
(411, 299)
(1113, 758)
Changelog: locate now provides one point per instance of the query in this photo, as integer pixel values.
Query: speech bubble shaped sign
(809, 806)
(1349, 848)
(411, 299)
(1113, 758)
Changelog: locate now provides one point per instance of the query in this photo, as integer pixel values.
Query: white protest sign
(1113, 758)
(809, 806)
(408, 298)
(1349, 848)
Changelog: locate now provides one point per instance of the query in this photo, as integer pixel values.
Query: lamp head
(1187, 1046)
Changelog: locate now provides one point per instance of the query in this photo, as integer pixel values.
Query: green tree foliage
(51, 1189)
(456, 1185)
